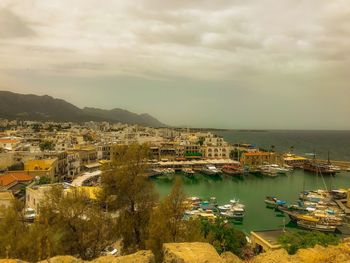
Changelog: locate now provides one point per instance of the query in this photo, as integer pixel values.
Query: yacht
(210, 170)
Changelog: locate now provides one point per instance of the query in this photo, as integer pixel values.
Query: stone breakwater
(205, 253)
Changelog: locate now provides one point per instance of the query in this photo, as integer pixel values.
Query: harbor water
(251, 190)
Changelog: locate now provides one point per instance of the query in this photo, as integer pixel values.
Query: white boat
(168, 171)
(267, 171)
(210, 170)
(278, 169)
(236, 203)
(234, 210)
(238, 215)
(224, 208)
(188, 171)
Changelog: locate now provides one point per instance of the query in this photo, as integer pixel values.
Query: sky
(258, 64)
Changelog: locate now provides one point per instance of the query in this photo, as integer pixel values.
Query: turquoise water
(252, 189)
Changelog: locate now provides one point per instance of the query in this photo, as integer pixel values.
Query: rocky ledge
(205, 253)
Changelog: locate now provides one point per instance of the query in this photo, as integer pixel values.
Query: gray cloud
(267, 52)
(12, 25)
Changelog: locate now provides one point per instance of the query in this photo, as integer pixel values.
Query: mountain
(46, 108)
(124, 116)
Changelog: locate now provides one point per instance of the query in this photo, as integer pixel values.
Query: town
(35, 157)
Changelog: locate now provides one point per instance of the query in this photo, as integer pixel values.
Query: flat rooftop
(270, 236)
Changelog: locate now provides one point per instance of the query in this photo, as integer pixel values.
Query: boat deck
(340, 203)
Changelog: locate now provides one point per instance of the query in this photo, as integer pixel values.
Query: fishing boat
(235, 213)
(273, 202)
(234, 210)
(309, 225)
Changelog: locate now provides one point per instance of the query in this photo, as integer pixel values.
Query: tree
(44, 180)
(88, 137)
(47, 146)
(18, 166)
(75, 225)
(133, 194)
(12, 228)
(167, 222)
(292, 241)
(223, 236)
(69, 224)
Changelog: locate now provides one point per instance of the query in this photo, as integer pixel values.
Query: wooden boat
(232, 170)
(309, 225)
(318, 168)
(273, 202)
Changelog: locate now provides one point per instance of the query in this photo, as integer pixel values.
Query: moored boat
(232, 170)
(188, 172)
(323, 169)
(273, 202)
(210, 170)
(309, 225)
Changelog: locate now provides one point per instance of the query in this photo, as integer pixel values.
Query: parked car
(110, 251)
(29, 214)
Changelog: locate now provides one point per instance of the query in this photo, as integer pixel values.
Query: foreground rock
(11, 261)
(190, 253)
(277, 256)
(62, 259)
(205, 253)
(229, 257)
(143, 256)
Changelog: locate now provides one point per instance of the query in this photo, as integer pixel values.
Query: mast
(238, 153)
(329, 161)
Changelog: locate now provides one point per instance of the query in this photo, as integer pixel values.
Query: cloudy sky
(225, 63)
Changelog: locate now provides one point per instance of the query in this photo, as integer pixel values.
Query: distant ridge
(47, 108)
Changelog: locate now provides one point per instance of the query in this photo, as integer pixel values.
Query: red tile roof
(11, 177)
(8, 141)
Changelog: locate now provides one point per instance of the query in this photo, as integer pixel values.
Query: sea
(251, 190)
(337, 143)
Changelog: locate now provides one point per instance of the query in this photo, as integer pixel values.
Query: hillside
(46, 108)
(124, 116)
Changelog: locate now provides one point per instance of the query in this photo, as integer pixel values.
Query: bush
(292, 241)
(223, 236)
